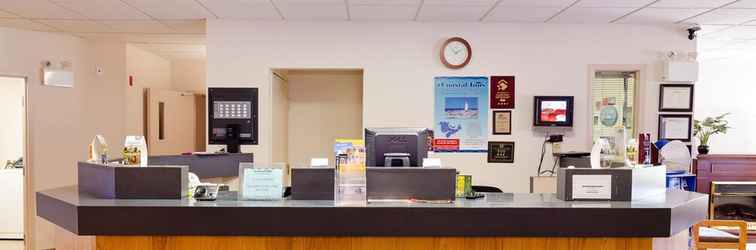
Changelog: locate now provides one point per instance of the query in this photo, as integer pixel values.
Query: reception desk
(498, 221)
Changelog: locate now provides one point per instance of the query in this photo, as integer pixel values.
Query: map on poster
(461, 113)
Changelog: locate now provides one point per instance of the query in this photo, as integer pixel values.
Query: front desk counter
(498, 221)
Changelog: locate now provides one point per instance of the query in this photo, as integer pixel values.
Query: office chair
(486, 189)
(705, 236)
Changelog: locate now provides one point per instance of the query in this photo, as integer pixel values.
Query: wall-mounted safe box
(232, 115)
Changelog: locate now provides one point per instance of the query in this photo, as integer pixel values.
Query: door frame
(28, 187)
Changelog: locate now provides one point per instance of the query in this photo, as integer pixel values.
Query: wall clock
(456, 53)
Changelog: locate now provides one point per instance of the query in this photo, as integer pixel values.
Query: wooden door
(171, 122)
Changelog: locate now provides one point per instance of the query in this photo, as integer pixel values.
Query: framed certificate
(502, 92)
(502, 122)
(675, 127)
(501, 151)
(676, 98)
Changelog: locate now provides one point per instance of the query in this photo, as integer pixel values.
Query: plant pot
(703, 149)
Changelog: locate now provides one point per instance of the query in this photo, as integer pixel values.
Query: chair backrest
(486, 189)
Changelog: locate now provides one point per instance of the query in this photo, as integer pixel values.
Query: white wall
(401, 59)
(727, 86)
(12, 112)
(323, 106)
(148, 71)
(62, 121)
(189, 75)
(280, 105)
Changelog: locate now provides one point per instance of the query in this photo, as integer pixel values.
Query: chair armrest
(741, 225)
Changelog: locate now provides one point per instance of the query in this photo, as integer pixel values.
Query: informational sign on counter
(591, 187)
(262, 184)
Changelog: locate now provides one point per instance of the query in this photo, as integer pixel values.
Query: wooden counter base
(65, 240)
(365, 243)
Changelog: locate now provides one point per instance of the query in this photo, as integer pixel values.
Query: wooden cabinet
(720, 167)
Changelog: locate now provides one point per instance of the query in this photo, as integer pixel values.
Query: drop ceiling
(158, 23)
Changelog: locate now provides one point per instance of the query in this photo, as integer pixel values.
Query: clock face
(456, 53)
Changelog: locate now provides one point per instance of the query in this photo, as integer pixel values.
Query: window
(614, 111)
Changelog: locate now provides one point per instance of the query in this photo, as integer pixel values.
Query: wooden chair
(706, 236)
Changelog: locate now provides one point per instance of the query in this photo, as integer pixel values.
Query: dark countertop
(205, 166)
(498, 214)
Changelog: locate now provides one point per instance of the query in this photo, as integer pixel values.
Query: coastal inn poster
(461, 114)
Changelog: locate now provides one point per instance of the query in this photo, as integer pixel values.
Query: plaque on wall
(502, 122)
(501, 151)
(502, 92)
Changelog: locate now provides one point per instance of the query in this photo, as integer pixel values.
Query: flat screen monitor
(553, 111)
(380, 142)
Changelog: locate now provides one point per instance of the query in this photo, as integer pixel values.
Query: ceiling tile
(384, 2)
(725, 16)
(710, 29)
(613, 3)
(241, 9)
(521, 14)
(460, 2)
(539, 4)
(691, 4)
(382, 12)
(171, 9)
(449, 13)
(37, 9)
(24, 24)
(186, 26)
(310, 12)
(140, 26)
(309, 1)
(743, 4)
(660, 16)
(102, 9)
(591, 15)
(77, 25)
(737, 33)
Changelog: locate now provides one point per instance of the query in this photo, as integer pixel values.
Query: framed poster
(675, 127)
(501, 151)
(502, 122)
(461, 113)
(676, 98)
(502, 92)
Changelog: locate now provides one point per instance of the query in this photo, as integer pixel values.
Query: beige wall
(189, 75)
(400, 60)
(62, 121)
(12, 112)
(323, 106)
(280, 107)
(148, 71)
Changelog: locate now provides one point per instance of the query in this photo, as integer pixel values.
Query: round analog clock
(456, 53)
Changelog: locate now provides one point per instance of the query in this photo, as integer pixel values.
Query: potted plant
(703, 130)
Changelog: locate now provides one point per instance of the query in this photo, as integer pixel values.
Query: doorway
(12, 161)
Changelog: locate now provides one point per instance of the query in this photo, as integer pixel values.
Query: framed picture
(501, 151)
(675, 127)
(502, 122)
(676, 98)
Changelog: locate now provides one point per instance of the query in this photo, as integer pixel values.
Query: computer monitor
(405, 147)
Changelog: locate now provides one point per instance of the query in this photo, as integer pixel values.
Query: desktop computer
(396, 147)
